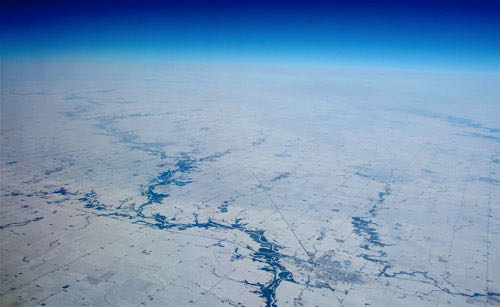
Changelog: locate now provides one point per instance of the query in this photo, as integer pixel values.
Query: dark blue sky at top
(443, 34)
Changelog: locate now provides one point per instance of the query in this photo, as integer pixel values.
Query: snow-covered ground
(195, 184)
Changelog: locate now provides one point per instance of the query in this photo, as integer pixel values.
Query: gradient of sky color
(461, 35)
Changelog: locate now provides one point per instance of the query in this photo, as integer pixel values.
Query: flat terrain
(206, 185)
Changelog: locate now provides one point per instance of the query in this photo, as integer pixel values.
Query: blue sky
(447, 35)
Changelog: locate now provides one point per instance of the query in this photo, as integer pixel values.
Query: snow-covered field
(187, 184)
